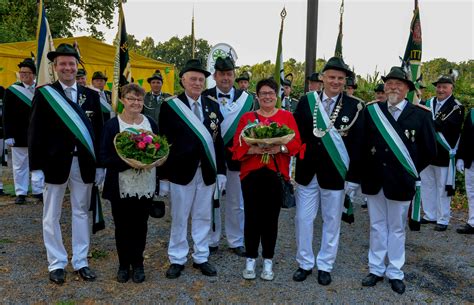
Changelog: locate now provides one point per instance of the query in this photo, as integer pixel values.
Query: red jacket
(250, 163)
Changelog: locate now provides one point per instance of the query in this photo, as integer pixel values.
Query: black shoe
(426, 221)
(123, 275)
(20, 199)
(174, 271)
(239, 251)
(57, 276)
(324, 278)
(38, 197)
(364, 206)
(86, 274)
(138, 274)
(301, 274)
(213, 250)
(398, 286)
(2, 192)
(371, 280)
(206, 268)
(466, 229)
(440, 227)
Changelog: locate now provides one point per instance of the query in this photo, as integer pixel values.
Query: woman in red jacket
(261, 187)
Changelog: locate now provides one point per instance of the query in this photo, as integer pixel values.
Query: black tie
(223, 95)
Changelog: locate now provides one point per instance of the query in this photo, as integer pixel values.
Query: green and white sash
(401, 152)
(332, 140)
(229, 125)
(22, 93)
(451, 177)
(104, 106)
(185, 113)
(69, 116)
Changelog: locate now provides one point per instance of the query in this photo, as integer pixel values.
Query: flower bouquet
(141, 149)
(265, 134)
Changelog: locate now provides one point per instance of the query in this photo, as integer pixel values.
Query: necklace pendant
(319, 133)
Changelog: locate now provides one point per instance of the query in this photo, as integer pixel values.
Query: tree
(178, 50)
(18, 18)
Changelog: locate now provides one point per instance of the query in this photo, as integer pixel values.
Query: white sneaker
(267, 272)
(249, 271)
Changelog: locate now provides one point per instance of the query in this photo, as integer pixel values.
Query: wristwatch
(283, 149)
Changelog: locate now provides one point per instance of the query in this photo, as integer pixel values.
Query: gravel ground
(439, 267)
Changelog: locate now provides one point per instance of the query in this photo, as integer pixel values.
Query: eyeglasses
(266, 93)
(131, 99)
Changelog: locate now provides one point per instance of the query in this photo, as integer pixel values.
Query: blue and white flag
(45, 71)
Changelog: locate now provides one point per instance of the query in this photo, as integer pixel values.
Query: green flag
(413, 51)
(338, 51)
(279, 74)
(122, 66)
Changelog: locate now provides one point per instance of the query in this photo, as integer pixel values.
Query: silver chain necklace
(319, 132)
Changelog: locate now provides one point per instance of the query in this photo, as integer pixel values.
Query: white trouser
(308, 200)
(436, 204)
(388, 220)
(80, 196)
(21, 172)
(194, 198)
(234, 214)
(469, 177)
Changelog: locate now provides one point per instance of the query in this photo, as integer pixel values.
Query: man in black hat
(351, 86)
(233, 103)
(192, 124)
(315, 84)
(399, 142)
(437, 180)
(155, 97)
(287, 102)
(16, 119)
(465, 165)
(81, 77)
(380, 95)
(330, 125)
(63, 141)
(243, 82)
(99, 80)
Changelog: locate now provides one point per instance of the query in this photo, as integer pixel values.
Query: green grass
(6, 241)
(99, 254)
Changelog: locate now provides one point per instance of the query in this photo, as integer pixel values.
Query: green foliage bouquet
(141, 149)
(265, 134)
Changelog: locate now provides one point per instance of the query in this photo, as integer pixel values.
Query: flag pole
(279, 73)
(193, 40)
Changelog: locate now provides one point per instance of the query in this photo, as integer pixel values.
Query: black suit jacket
(187, 151)
(109, 158)
(316, 159)
(466, 145)
(51, 144)
(450, 128)
(151, 107)
(16, 118)
(108, 96)
(381, 167)
(233, 165)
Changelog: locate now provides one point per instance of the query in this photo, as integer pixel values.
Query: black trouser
(131, 226)
(261, 190)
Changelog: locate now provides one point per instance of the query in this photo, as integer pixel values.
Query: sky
(375, 31)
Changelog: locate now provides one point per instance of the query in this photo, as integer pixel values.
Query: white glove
(351, 188)
(164, 188)
(99, 176)
(37, 178)
(10, 142)
(221, 182)
(460, 165)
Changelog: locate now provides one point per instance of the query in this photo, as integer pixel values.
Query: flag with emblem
(45, 71)
(279, 74)
(413, 51)
(338, 51)
(122, 66)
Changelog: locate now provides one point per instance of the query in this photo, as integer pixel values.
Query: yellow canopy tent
(96, 55)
